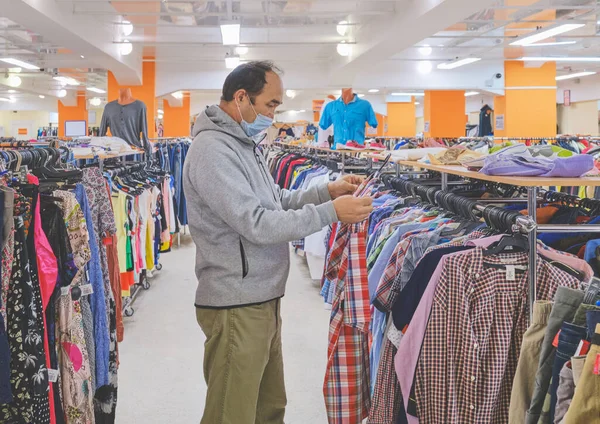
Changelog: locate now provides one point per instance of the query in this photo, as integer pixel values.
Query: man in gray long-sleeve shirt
(241, 223)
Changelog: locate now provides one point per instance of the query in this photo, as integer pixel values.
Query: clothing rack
(533, 187)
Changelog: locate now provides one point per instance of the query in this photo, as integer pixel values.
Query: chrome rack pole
(557, 228)
(532, 195)
(444, 181)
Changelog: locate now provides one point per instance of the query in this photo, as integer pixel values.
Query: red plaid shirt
(471, 347)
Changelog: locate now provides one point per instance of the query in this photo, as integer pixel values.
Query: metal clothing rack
(533, 185)
(328, 154)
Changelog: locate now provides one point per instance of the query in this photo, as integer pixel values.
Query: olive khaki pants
(243, 365)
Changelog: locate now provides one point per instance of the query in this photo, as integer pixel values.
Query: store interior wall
(578, 118)
(37, 119)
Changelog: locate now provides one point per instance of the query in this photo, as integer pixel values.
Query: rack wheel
(146, 285)
(158, 266)
(129, 312)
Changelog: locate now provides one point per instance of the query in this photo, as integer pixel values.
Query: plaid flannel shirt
(347, 382)
(471, 347)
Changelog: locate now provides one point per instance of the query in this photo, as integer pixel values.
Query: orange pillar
(530, 100)
(401, 119)
(176, 120)
(72, 113)
(444, 113)
(145, 93)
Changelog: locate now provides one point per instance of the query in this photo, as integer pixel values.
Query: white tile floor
(160, 376)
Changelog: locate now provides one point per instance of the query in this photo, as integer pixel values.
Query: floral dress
(75, 373)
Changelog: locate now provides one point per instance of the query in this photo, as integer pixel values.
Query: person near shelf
(241, 223)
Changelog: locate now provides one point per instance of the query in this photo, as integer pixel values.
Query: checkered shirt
(347, 381)
(471, 347)
(387, 398)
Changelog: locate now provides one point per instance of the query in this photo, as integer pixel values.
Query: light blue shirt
(348, 120)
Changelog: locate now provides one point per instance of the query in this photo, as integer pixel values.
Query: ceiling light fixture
(62, 93)
(539, 36)
(14, 81)
(408, 94)
(15, 70)
(361, 95)
(559, 59)
(302, 111)
(342, 28)
(178, 95)
(160, 111)
(126, 48)
(95, 101)
(12, 91)
(290, 93)
(471, 93)
(554, 43)
(160, 116)
(96, 90)
(241, 50)
(41, 96)
(458, 63)
(232, 62)
(417, 103)
(67, 80)
(425, 66)
(575, 75)
(231, 34)
(344, 49)
(82, 56)
(127, 28)
(19, 63)
(426, 50)
(374, 90)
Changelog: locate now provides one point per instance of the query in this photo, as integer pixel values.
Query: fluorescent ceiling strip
(408, 94)
(230, 34)
(19, 63)
(555, 43)
(471, 93)
(575, 75)
(67, 80)
(559, 59)
(458, 63)
(539, 36)
(96, 90)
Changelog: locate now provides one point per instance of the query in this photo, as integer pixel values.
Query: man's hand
(344, 186)
(352, 210)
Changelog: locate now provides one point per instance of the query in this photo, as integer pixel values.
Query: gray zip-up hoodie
(240, 220)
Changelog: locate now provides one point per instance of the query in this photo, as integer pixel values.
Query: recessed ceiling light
(160, 116)
(82, 56)
(67, 80)
(575, 75)
(96, 90)
(95, 101)
(458, 63)
(342, 28)
(302, 111)
(559, 59)
(344, 49)
(12, 91)
(374, 90)
(177, 95)
(127, 28)
(555, 43)
(471, 93)
(425, 50)
(19, 63)
(241, 50)
(160, 111)
(361, 95)
(539, 36)
(14, 81)
(408, 94)
(126, 48)
(41, 96)
(62, 93)
(230, 34)
(290, 93)
(417, 103)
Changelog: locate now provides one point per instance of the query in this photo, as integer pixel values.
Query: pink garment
(47, 276)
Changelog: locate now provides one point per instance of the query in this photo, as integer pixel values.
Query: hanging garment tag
(583, 348)
(510, 273)
(53, 375)
(555, 342)
(597, 365)
(86, 289)
(64, 291)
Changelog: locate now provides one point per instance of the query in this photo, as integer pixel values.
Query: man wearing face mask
(241, 223)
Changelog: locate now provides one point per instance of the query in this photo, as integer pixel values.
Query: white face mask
(260, 124)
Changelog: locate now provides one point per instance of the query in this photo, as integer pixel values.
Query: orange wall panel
(445, 112)
(401, 120)
(72, 113)
(176, 120)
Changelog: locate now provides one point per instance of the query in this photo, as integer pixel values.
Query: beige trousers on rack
(243, 365)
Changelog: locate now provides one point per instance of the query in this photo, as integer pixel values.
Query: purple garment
(529, 166)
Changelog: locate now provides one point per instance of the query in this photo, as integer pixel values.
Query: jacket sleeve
(326, 119)
(372, 120)
(297, 199)
(221, 182)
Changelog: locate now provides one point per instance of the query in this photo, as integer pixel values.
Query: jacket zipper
(264, 174)
(245, 265)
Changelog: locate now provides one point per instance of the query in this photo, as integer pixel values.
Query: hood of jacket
(213, 118)
(485, 108)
